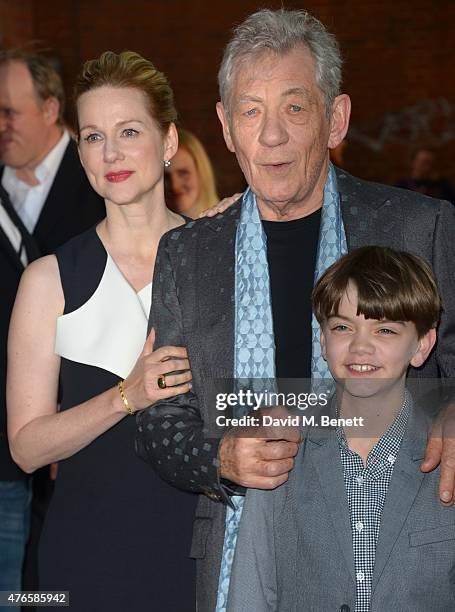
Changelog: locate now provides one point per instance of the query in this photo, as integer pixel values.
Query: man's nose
(273, 130)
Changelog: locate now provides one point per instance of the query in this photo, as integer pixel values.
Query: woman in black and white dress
(115, 536)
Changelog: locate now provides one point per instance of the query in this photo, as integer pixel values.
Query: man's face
(280, 131)
(370, 356)
(423, 164)
(24, 119)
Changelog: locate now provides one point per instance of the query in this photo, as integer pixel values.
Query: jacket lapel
(324, 454)
(403, 489)
(60, 192)
(6, 247)
(215, 291)
(5, 244)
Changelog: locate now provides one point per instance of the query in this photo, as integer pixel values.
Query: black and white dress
(116, 536)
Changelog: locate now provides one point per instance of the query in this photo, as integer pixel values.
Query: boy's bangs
(391, 285)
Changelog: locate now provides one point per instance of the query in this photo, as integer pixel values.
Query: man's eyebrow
(299, 91)
(248, 98)
(292, 91)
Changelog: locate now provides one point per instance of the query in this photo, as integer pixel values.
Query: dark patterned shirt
(366, 488)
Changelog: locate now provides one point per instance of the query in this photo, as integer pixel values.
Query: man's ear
(339, 121)
(171, 142)
(51, 109)
(226, 129)
(426, 343)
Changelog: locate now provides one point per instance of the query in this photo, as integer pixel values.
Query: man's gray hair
(280, 31)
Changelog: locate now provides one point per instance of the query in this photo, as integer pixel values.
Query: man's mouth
(276, 167)
(5, 141)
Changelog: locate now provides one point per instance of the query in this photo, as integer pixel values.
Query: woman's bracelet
(128, 406)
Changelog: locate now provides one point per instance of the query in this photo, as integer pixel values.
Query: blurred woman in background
(190, 180)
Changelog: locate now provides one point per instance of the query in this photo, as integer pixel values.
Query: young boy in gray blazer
(358, 527)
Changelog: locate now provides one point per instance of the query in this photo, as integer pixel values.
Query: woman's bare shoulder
(41, 282)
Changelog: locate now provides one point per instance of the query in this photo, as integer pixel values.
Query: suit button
(345, 608)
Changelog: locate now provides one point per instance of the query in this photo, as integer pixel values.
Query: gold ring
(162, 381)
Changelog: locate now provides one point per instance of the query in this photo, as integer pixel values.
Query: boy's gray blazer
(294, 548)
(193, 306)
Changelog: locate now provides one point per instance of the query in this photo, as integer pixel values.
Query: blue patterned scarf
(254, 356)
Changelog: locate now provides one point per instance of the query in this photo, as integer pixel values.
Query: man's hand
(259, 457)
(441, 450)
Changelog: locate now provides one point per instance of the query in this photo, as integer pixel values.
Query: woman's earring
(167, 163)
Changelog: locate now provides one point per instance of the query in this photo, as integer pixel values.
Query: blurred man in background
(17, 248)
(46, 199)
(425, 177)
(42, 173)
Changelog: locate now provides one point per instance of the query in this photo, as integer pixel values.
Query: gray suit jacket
(294, 548)
(193, 306)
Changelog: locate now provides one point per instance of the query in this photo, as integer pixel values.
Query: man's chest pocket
(432, 536)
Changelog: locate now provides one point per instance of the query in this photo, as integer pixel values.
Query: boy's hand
(260, 457)
(441, 450)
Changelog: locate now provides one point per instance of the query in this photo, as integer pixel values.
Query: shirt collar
(52, 160)
(387, 447)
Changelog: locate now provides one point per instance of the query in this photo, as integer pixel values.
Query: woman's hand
(38, 433)
(141, 387)
(221, 206)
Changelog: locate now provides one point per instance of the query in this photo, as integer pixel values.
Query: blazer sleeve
(170, 434)
(443, 262)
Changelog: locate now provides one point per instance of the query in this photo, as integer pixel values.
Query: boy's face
(369, 355)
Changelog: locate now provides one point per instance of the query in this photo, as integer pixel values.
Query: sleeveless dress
(116, 536)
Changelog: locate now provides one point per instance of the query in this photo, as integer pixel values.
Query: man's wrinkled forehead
(16, 83)
(260, 66)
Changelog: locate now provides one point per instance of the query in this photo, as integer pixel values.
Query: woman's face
(121, 147)
(182, 183)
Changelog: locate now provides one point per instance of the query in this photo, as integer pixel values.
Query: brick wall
(398, 64)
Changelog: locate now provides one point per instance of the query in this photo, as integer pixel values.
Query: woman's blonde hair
(129, 69)
(208, 195)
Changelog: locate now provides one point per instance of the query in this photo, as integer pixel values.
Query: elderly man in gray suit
(235, 289)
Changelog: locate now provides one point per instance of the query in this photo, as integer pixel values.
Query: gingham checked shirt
(366, 488)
